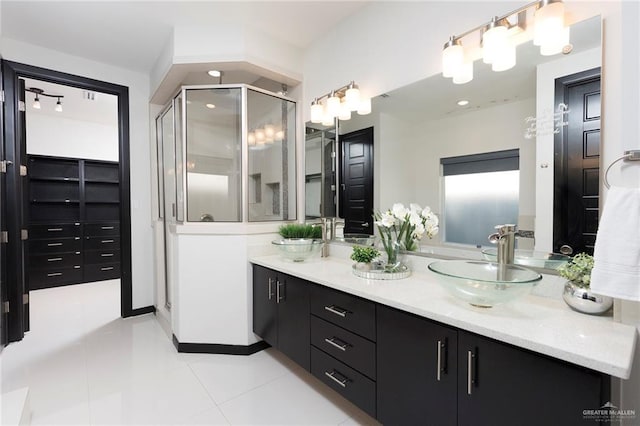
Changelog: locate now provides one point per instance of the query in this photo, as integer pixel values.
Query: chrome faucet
(505, 238)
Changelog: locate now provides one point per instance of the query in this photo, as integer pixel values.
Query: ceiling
(132, 34)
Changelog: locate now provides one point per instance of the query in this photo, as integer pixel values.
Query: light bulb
(279, 136)
(556, 46)
(58, 107)
(365, 106)
(260, 137)
(452, 57)
(251, 138)
(504, 59)
(548, 23)
(36, 103)
(345, 110)
(494, 42)
(333, 105)
(328, 120)
(352, 97)
(317, 112)
(269, 131)
(465, 73)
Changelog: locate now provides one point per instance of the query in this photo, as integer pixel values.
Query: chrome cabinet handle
(439, 352)
(470, 357)
(335, 310)
(107, 268)
(54, 229)
(270, 289)
(365, 225)
(54, 244)
(54, 274)
(333, 377)
(106, 254)
(333, 342)
(54, 259)
(106, 241)
(278, 296)
(106, 228)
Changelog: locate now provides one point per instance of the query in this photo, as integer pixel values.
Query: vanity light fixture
(497, 43)
(39, 92)
(339, 103)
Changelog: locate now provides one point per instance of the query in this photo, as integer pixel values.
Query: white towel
(616, 270)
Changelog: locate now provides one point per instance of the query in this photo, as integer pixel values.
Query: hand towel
(616, 271)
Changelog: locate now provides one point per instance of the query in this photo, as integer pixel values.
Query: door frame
(11, 72)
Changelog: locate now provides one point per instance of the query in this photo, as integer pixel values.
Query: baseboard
(141, 311)
(215, 348)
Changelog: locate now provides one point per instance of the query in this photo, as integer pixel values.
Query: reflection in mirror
(320, 171)
(418, 125)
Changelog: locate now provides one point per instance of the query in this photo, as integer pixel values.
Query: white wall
(138, 84)
(64, 137)
(387, 45)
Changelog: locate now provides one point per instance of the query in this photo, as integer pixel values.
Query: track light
(39, 92)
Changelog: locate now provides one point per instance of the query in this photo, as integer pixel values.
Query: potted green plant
(300, 230)
(363, 256)
(299, 241)
(577, 293)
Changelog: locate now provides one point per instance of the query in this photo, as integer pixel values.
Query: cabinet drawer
(102, 271)
(52, 231)
(102, 256)
(102, 243)
(44, 278)
(345, 346)
(345, 380)
(100, 229)
(347, 311)
(57, 245)
(55, 260)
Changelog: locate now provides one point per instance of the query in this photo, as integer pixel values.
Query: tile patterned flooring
(84, 365)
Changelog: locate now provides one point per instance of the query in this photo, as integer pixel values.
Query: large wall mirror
(537, 125)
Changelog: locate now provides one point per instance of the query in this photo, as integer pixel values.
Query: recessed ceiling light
(463, 102)
(214, 73)
(210, 106)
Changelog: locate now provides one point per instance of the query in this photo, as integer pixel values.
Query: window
(480, 192)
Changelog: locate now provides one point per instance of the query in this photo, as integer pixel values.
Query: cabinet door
(503, 385)
(416, 370)
(265, 321)
(292, 295)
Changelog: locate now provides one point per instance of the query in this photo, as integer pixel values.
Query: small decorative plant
(300, 230)
(578, 270)
(363, 254)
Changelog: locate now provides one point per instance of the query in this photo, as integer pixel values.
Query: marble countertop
(544, 325)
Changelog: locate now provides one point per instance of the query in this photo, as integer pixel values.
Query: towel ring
(632, 155)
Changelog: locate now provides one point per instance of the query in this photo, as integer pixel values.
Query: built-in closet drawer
(102, 243)
(353, 350)
(347, 311)
(51, 231)
(44, 278)
(349, 383)
(58, 245)
(102, 256)
(55, 260)
(101, 271)
(102, 229)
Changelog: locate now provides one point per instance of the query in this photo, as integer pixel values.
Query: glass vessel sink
(484, 284)
(360, 239)
(535, 259)
(298, 249)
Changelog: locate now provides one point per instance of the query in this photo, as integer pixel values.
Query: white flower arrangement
(405, 226)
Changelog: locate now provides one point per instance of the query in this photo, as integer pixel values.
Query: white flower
(387, 220)
(415, 219)
(419, 231)
(415, 208)
(399, 210)
(426, 212)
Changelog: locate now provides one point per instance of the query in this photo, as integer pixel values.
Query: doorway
(94, 181)
(356, 181)
(577, 164)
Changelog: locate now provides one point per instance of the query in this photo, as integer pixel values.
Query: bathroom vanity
(407, 353)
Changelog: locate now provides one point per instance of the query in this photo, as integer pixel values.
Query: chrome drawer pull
(333, 377)
(332, 342)
(54, 229)
(335, 310)
(279, 298)
(54, 259)
(470, 356)
(270, 288)
(439, 353)
(106, 228)
(54, 244)
(76, 267)
(108, 268)
(106, 241)
(106, 254)
(54, 274)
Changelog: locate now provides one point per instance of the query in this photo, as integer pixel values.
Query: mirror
(418, 125)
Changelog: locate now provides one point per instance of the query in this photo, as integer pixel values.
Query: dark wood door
(577, 170)
(356, 181)
(265, 312)
(293, 319)
(499, 384)
(413, 387)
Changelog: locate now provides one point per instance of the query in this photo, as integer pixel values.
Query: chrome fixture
(339, 104)
(505, 238)
(39, 92)
(498, 43)
(631, 155)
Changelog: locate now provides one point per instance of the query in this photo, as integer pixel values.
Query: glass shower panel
(272, 157)
(169, 166)
(177, 106)
(214, 164)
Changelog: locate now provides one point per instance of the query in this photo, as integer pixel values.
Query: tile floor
(84, 365)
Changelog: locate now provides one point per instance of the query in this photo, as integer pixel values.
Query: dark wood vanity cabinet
(417, 371)
(403, 369)
(499, 384)
(281, 313)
